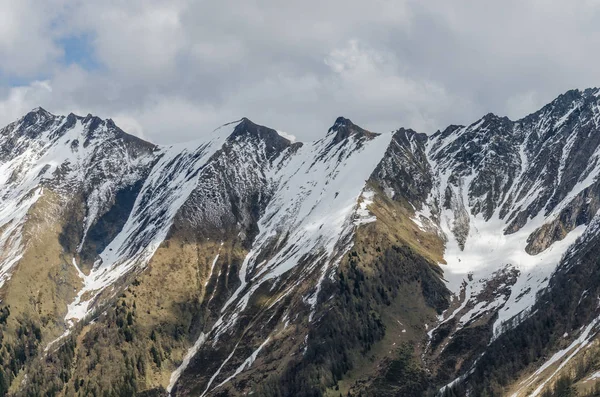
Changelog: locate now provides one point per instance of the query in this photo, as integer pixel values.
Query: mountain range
(466, 262)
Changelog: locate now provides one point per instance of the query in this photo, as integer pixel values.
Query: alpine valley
(463, 263)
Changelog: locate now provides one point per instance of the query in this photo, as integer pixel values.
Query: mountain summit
(461, 263)
(345, 128)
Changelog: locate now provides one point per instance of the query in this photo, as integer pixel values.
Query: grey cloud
(27, 40)
(170, 71)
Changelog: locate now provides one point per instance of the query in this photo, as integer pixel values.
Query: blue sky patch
(79, 50)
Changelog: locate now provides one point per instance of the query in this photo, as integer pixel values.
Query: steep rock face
(404, 170)
(530, 215)
(501, 181)
(235, 186)
(85, 164)
(85, 160)
(486, 153)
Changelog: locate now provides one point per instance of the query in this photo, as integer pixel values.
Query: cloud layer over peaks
(170, 70)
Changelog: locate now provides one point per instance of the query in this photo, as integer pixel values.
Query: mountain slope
(361, 263)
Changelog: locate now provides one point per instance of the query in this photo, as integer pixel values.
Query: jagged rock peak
(344, 128)
(36, 115)
(273, 140)
(40, 110)
(408, 134)
(491, 123)
(566, 101)
(41, 124)
(494, 117)
(577, 93)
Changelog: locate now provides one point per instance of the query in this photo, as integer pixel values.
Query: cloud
(27, 46)
(19, 100)
(376, 81)
(523, 103)
(170, 71)
(138, 40)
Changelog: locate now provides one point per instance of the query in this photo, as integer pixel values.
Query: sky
(171, 70)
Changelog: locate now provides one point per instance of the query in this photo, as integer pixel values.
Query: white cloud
(20, 100)
(374, 82)
(26, 40)
(134, 39)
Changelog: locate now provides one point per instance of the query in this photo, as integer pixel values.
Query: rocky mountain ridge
(361, 263)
